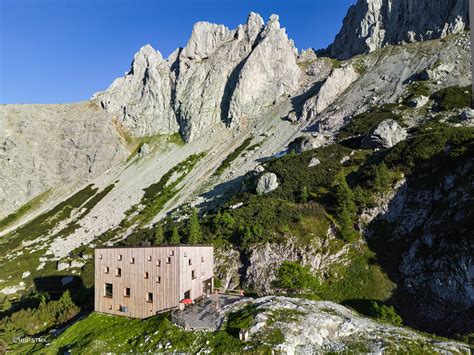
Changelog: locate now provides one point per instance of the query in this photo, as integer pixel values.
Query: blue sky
(54, 51)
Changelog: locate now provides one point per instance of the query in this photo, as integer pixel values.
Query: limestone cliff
(221, 77)
(373, 24)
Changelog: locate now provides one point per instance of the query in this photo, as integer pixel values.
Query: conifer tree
(175, 238)
(159, 235)
(194, 228)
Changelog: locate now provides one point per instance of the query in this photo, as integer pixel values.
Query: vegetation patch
(158, 194)
(293, 277)
(364, 123)
(23, 210)
(360, 67)
(454, 97)
(31, 321)
(232, 156)
(417, 89)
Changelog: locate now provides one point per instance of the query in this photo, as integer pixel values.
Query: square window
(145, 275)
(108, 290)
(118, 272)
(149, 297)
(168, 260)
(158, 279)
(106, 269)
(149, 257)
(158, 262)
(132, 260)
(126, 292)
(119, 257)
(123, 309)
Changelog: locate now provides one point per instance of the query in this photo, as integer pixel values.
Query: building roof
(154, 246)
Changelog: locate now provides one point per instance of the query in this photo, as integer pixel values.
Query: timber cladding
(140, 282)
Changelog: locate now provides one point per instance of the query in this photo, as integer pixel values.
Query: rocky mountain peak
(372, 24)
(221, 77)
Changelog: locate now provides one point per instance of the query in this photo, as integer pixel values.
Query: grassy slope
(100, 333)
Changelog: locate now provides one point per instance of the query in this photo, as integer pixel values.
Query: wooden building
(140, 282)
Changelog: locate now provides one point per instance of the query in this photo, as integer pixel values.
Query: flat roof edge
(154, 246)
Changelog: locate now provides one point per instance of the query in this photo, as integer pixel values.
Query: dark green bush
(453, 97)
(386, 314)
(31, 321)
(293, 277)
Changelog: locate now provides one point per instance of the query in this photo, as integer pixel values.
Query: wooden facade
(140, 282)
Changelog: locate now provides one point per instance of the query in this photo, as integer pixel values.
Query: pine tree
(382, 178)
(175, 238)
(194, 228)
(159, 235)
(304, 195)
(345, 208)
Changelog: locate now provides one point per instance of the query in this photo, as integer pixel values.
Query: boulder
(387, 134)
(267, 183)
(305, 143)
(314, 162)
(418, 101)
(437, 71)
(467, 115)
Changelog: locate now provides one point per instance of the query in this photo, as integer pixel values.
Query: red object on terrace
(187, 301)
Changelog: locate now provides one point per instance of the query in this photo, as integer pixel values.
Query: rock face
(387, 134)
(47, 146)
(267, 183)
(320, 326)
(373, 24)
(141, 100)
(333, 86)
(265, 259)
(436, 263)
(222, 77)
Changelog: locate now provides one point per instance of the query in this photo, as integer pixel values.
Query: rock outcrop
(141, 100)
(222, 77)
(313, 327)
(387, 134)
(267, 183)
(333, 86)
(49, 146)
(373, 24)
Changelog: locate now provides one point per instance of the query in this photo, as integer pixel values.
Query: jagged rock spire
(220, 77)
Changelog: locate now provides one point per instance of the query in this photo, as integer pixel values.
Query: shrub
(31, 321)
(452, 98)
(386, 314)
(417, 89)
(294, 277)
